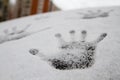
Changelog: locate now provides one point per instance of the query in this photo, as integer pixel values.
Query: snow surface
(78, 4)
(16, 63)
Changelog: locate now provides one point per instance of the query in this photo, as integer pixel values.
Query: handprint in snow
(15, 34)
(73, 54)
(97, 14)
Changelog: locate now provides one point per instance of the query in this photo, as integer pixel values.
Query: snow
(79, 4)
(16, 63)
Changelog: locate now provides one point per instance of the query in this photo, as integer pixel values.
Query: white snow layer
(79, 4)
(16, 63)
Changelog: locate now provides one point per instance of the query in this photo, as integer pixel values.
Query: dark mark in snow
(72, 54)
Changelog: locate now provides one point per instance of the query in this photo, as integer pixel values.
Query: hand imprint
(15, 34)
(73, 54)
(99, 13)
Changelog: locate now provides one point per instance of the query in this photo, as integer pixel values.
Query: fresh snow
(79, 4)
(16, 63)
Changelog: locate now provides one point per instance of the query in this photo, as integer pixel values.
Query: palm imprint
(74, 54)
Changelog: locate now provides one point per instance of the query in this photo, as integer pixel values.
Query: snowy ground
(16, 63)
(79, 4)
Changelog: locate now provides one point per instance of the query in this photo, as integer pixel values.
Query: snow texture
(16, 63)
